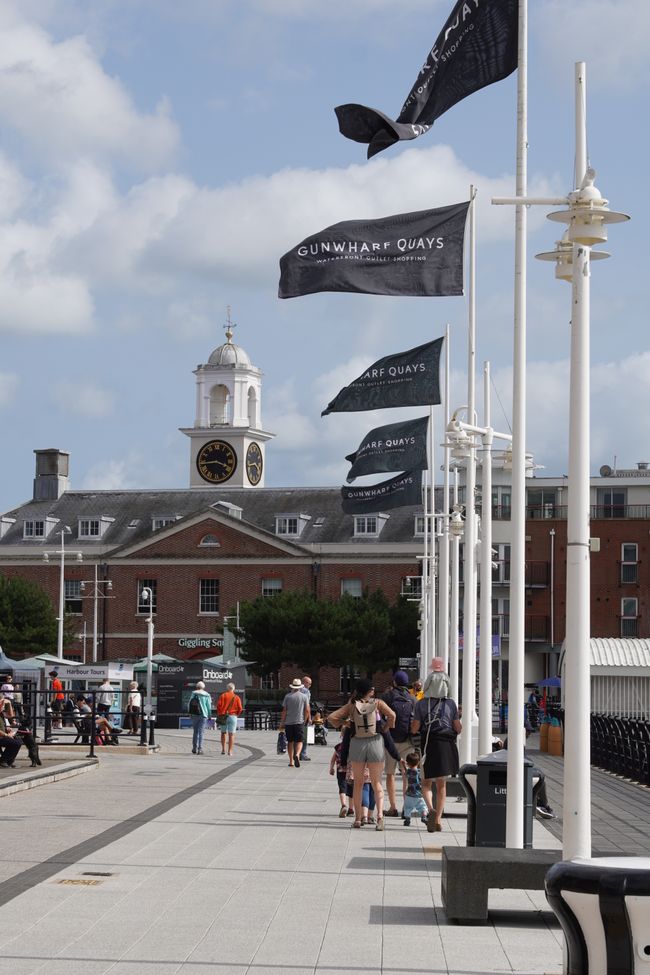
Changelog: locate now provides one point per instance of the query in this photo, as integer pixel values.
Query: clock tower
(227, 441)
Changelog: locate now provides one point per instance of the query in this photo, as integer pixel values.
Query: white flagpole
(470, 718)
(516, 738)
(485, 616)
(431, 640)
(453, 608)
(443, 559)
(424, 601)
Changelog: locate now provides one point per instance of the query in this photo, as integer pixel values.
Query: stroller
(320, 731)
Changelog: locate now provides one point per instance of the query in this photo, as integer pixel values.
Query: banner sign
(476, 47)
(405, 489)
(417, 254)
(394, 447)
(406, 379)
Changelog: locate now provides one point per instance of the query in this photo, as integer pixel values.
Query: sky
(158, 158)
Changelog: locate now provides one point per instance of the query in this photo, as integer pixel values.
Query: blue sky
(158, 158)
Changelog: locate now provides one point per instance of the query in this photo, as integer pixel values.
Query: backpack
(437, 721)
(194, 707)
(364, 717)
(403, 705)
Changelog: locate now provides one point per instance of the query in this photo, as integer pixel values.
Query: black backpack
(403, 705)
(194, 706)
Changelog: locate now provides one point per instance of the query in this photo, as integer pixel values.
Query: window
(629, 562)
(210, 540)
(269, 682)
(501, 503)
(157, 523)
(629, 616)
(540, 503)
(611, 503)
(366, 525)
(94, 527)
(412, 587)
(419, 525)
(34, 529)
(271, 587)
(501, 617)
(143, 604)
(351, 587)
(501, 564)
(209, 596)
(286, 526)
(72, 593)
(347, 677)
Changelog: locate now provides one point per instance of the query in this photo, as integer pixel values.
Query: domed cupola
(227, 439)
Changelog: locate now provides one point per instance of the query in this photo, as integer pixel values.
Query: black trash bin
(491, 794)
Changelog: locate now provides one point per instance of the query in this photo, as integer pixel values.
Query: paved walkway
(174, 863)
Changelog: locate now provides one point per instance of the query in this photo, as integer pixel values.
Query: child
(282, 741)
(337, 764)
(437, 682)
(413, 799)
(367, 794)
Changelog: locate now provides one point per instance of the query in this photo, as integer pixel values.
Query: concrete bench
(468, 873)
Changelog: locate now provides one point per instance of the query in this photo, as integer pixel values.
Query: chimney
(51, 474)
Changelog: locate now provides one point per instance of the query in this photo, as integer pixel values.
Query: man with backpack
(402, 702)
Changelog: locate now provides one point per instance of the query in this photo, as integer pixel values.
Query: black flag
(476, 47)
(405, 489)
(394, 447)
(415, 254)
(407, 379)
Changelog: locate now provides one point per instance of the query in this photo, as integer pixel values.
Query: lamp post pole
(147, 594)
(61, 617)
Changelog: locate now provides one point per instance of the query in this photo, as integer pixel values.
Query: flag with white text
(393, 447)
(409, 378)
(477, 46)
(416, 254)
(405, 489)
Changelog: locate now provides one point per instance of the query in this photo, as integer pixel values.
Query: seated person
(10, 743)
(103, 728)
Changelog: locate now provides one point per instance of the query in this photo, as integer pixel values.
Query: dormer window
(291, 526)
(94, 527)
(163, 521)
(369, 526)
(36, 528)
(419, 525)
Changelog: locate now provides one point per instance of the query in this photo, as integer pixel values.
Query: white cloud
(110, 475)
(62, 102)
(610, 35)
(9, 383)
(84, 399)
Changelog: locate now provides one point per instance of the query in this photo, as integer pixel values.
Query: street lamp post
(97, 594)
(146, 595)
(66, 530)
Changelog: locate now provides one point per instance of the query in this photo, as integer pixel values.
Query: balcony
(629, 626)
(597, 512)
(538, 574)
(629, 572)
(536, 628)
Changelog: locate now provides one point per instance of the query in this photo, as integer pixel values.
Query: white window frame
(210, 541)
(629, 611)
(418, 526)
(369, 526)
(142, 606)
(72, 594)
(412, 587)
(352, 587)
(161, 521)
(204, 584)
(629, 566)
(31, 528)
(84, 526)
(272, 586)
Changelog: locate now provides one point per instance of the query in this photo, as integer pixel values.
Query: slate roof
(260, 506)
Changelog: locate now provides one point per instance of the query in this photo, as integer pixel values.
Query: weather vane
(229, 324)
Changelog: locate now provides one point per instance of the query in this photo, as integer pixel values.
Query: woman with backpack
(363, 711)
(437, 721)
(200, 709)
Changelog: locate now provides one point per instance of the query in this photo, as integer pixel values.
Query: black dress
(440, 754)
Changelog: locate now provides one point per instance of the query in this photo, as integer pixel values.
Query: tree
(294, 627)
(28, 623)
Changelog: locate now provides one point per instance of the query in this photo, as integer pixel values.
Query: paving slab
(174, 863)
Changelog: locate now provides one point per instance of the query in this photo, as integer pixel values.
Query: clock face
(216, 461)
(254, 463)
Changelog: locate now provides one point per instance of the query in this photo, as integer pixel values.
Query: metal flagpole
(485, 616)
(443, 547)
(453, 607)
(515, 788)
(424, 602)
(469, 549)
(431, 639)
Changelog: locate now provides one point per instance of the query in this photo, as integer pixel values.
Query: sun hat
(400, 678)
(295, 684)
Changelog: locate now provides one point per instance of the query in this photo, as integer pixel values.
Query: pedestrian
(104, 698)
(336, 765)
(133, 708)
(368, 802)
(200, 709)
(295, 712)
(229, 706)
(414, 800)
(367, 744)
(57, 698)
(402, 702)
(437, 682)
(306, 690)
(439, 725)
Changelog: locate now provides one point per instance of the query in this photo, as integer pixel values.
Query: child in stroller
(320, 731)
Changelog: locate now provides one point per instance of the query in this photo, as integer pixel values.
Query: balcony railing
(597, 512)
(536, 628)
(537, 574)
(629, 571)
(629, 626)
